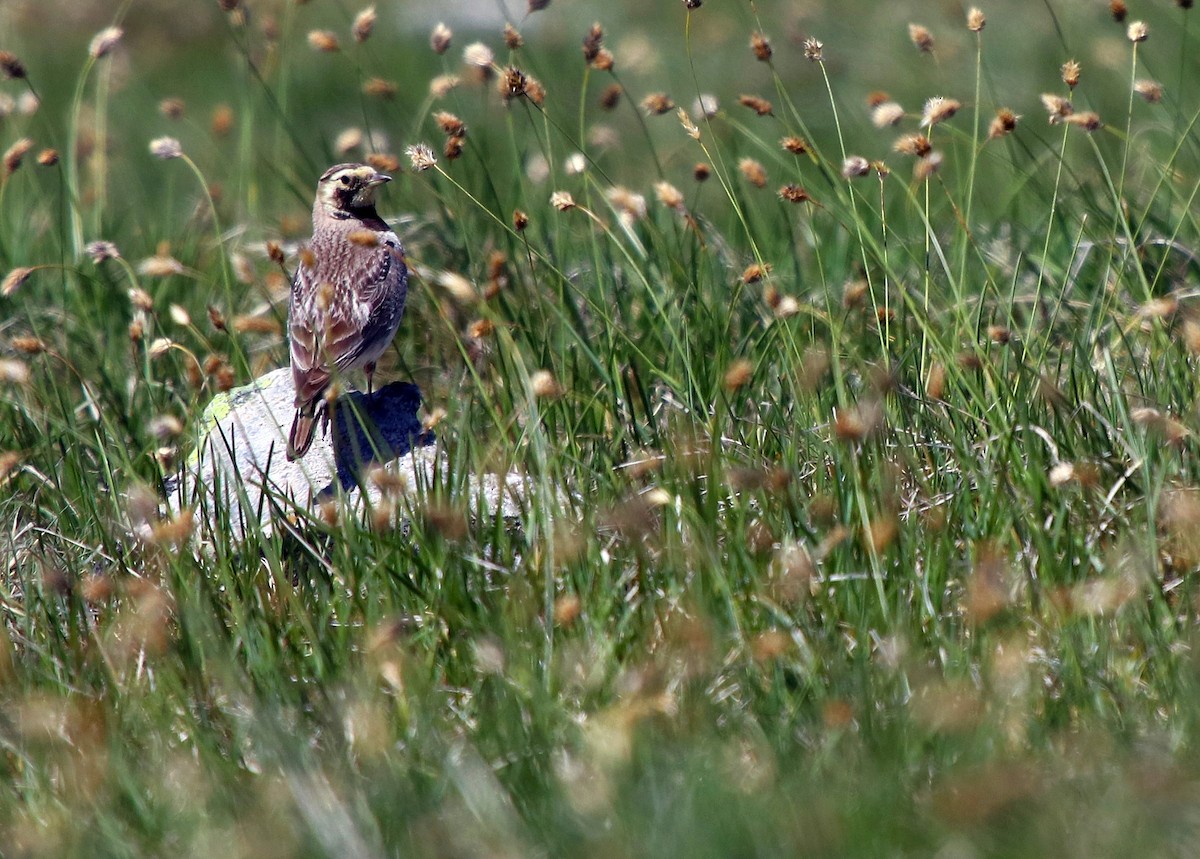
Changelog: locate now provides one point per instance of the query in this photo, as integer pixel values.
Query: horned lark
(347, 296)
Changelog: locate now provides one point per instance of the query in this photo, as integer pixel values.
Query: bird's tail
(301, 436)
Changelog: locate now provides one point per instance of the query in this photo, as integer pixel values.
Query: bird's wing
(379, 287)
(310, 375)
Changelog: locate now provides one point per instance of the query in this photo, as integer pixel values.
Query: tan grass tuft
(364, 24)
(325, 41)
(975, 20)
(921, 38)
(440, 38)
(761, 46)
(657, 103)
(754, 172)
(759, 105)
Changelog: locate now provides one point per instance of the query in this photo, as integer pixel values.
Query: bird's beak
(379, 179)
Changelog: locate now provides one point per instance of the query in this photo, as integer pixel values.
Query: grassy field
(860, 428)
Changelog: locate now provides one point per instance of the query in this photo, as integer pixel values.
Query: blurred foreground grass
(879, 440)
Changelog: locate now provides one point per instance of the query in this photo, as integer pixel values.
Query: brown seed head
(592, 42)
(740, 372)
(939, 109)
(657, 103)
(1088, 120)
(759, 105)
(761, 47)
(380, 88)
(756, 272)
(604, 61)
(537, 5)
(384, 162)
(440, 38)
(28, 345)
(921, 38)
(1070, 73)
(814, 51)
(927, 166)
(544, 386)
(534, 91)
(47, 157)
(323, 40)
(1058, 107)
(364, 24)
(701, 171)
(520, 220)
(754, 172)
(610, 96)
(11, 65)
(453, 148)
(15, 154)
(1003, 123)
(913, 144)
(512, 38)
(171, 108)
(793, 193)
(1118, 10)
(364, 238)
(975, 20)
(513, 83)
(693, 4)
(450, 124)
(1151, 91)
(794, 145)
(222, 120)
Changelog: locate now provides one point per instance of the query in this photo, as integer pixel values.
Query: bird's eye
(345, 180)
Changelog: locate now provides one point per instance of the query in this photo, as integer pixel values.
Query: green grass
(865, 525)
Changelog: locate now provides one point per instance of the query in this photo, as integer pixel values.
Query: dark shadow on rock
(375, 428)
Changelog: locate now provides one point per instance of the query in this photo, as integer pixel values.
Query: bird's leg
(369, 369)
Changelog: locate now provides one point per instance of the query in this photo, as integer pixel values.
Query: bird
(347, 295)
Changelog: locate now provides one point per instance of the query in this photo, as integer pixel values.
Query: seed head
(165, 148)
(755, 272)
(520, 220)
(1087, 120)
(759, 105)
(610, 96)
(222, 120)
(604, 61)
(537, 5)
(1138, 32)
(513, 83)
(534, 91)
(1118, 10)
(813, 50)
(364, 24)
(15, 154)
(754, 172)
(761, 47)
(975, 20)
(450, 124)
(104, 42)
(921, 38)
(886, 113)
(99, 251)
(855, 166)
(171, 108)
(478, 55)
(693, 4)
(1070, 74)
(927, 166)
(11, 65)
(793, 193)
(701, 171)
(512, 38)
(939, 109)
(421, 156)
(440, 86)
(562, 200)
(794, 145)
(669, 195)
(1003, 123)
(323, 40)
(913, 144)
(48, 157)
(592, 42)
(1151, 91)
(14, 280)
(1058, 107)
(688, 126)
(544, 386)
(739, 373)
(440, 38)
(380, 88)
(657, 103)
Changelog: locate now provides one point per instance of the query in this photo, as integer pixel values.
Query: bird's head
(346, 187)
